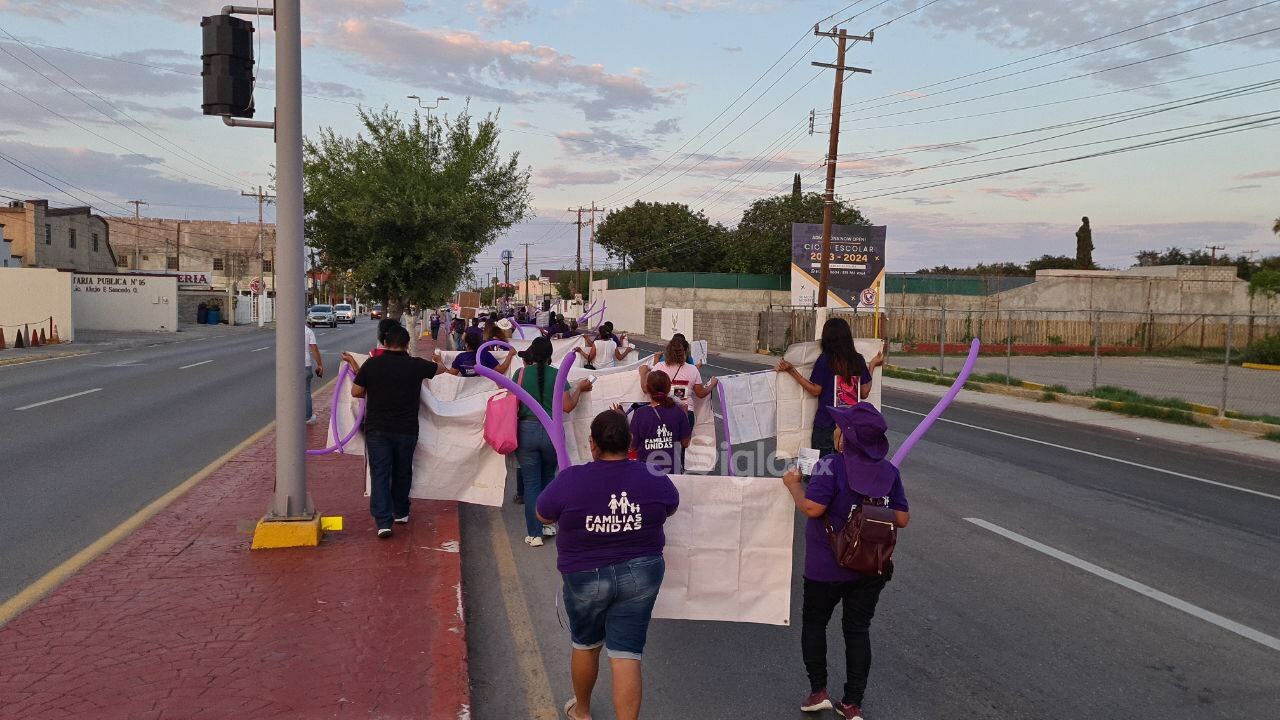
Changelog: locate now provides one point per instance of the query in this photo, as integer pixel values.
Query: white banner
(729, 551)
(751, 404)
(796, 407)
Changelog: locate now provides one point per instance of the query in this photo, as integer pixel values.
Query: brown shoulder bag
(865, 543)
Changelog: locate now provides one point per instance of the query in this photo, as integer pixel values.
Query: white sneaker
(402, 520)
(313, 419)
(533, 541)
(384, 533)
(549, 531)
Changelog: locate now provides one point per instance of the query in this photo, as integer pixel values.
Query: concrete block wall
(737, 330)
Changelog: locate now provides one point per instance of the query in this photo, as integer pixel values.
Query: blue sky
(613, 101)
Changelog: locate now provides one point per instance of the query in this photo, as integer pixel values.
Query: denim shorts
(612, 605)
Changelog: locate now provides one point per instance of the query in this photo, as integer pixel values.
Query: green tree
(662, 236)
(762, 241)
(407, 204)
(1051, 262)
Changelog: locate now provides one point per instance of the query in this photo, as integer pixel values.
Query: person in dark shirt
(391, 384)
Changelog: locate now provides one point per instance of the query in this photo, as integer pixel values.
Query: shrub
(1265, 351)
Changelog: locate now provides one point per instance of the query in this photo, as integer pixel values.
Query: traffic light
(228, 66)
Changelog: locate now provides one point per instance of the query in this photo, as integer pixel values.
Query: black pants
(823, 440)
(820, 600)
(390, 474)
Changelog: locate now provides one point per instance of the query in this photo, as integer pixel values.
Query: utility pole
(262, 282)
(137, 229)
(1213, 253)
(591, 275)
(526, 272)
(833, 148)
(577, 278)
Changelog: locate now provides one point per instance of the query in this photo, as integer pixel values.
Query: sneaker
(384, 533)
(533, 541)
(402, 520)
(816, 701)
(313, 419)
(549, 530)
(849, 711)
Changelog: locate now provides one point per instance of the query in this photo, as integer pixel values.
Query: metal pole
(1226, 366)
(942, 343)
(833, 148)
(262, 281)
(291, 500)
(1095, 351)
(591, 272)
(1008, 351)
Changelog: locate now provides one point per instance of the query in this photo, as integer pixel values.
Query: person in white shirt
(686, 378)
(311, 351)
(605, 350)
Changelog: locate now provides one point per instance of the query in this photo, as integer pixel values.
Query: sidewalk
(100, 341)
(181, 620)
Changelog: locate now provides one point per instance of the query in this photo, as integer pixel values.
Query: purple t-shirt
(835, 392)
(828, 487)
(610, 511)
(656, 433)
(465, 362)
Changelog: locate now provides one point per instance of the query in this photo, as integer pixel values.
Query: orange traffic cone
(35, 339)
(55, 339)
(43, 339)
(2, 345)
(20, 343)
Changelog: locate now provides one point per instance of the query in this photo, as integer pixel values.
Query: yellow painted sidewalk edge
(50, 581)
(1260, 366)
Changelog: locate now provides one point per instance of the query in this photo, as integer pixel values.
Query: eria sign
(186, 278)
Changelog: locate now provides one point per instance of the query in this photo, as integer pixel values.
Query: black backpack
(865, 543)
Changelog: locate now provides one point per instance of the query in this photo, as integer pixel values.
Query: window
(266, 266)
(94, 237)
(71, 238)
(217, 264)
(171, 262)
(122, 261)
(48, 234)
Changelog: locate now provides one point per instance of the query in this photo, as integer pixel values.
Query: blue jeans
(310, 374)
(537, 458)
(612, 605)
(390, 474)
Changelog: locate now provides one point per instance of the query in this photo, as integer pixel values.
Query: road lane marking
(202, 362)
(1212, 618)
(264, 347)
(57, 399)
(1100, 456)
(538, 701)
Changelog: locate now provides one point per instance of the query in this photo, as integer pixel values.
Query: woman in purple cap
(858, 472)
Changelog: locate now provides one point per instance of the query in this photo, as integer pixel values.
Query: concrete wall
(124, 302)
(29, 296)
(710, 299)
(737, 330)
(189, 304)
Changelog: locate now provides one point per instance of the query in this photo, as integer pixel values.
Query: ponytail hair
(658, 385)
(675, 354)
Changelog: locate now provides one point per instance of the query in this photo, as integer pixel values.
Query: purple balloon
(556, 432)
(938, 409)
(340, 443)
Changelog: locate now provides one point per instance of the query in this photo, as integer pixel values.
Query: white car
(322, 315)
(345, 313)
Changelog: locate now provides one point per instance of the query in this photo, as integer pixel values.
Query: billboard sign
(855, 265)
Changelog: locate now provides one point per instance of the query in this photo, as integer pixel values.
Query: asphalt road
(978, 622)
(73, 465)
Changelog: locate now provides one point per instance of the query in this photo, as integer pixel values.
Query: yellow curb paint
(1260, 366)
(538, 702)
(271, 534)
(333, 523)
(50, 581)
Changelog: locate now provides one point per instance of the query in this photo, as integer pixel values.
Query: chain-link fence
(1169, 360)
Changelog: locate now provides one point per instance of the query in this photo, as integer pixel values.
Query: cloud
(666, 126)
(182, 10)
(1242, 188)
(556, 175)
(600, 141)
(1260, 175)
(463, 63)
(493, 13)
(732, 50)
(926, 201)
(1028, 193)
(692, 7)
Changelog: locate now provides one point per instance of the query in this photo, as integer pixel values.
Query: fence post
(1095, 350)
(942, 343)
(1226, 366)
(1008, 351)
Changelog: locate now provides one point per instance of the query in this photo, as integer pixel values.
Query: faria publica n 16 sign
(855, 267)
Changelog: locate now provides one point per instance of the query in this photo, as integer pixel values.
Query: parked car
(376, 312)
(322, 315)
(345, 313)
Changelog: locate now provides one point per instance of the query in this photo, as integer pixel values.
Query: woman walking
(857, 473)
(609, 553)
(686, 379)
(534, 451)
(660, 431)
(841, 377)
